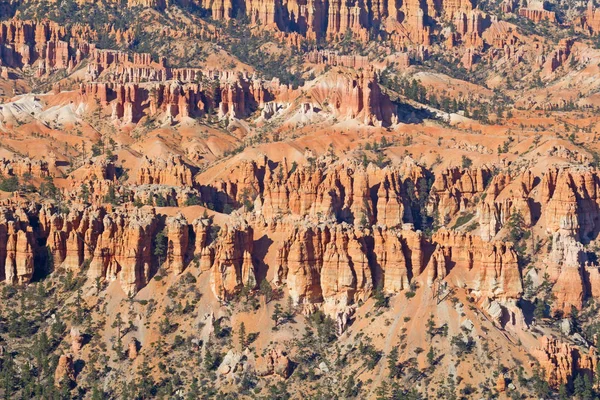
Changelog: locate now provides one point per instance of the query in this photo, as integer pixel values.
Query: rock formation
(355, 233)
(26, 42)
(329, 265)
(487, 269)
(275, 361)
(172, 172)
(591, 19)
(23, 167)
(535, 11)
(454, 189)
(341, 191)
(76, 340)
(562, 361)
(132, 349)
(233, 267)
(177, 243)
(356, 96)
(64, 370)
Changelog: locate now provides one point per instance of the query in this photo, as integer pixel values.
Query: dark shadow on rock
(260, 248)
(86, 338)
(527, 307)
(78, 367)
(409, 114)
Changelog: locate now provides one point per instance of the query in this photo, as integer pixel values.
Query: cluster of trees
(9, 184)
(248, 48)
(505, 145)
(391, 388)
(27, 369)
(101, 147)
(47, 188)
(414, 90)
(69, 10)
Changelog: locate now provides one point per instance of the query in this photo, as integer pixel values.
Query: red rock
(233, 267)
(489, 270)
(76, 340)
(561, 361)
(275, 361)
(178, 241)
(591, 19)
(132, 350)
(535, 11)
(64, 370)
(173, 172)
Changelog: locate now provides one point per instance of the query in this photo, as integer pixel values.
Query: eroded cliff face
(135, 91)
(344, 93)
(347, 230)
(322, 260)
(344, 191)
(143, 175)
(348, 193)
(455, 188)
(590, 20)
(129, 102)
(331, 234)
(23, 167)
(122, 245)
(562, 203)
(404, 22)
(131, 88)
(560, 207)
(489, 270)
(46, 44)
(354, 96)
(170, 172)
(562, 361)
(340, 266)
(233, 266)
(328, 265)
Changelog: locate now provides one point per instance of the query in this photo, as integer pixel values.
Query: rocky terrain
(309, 199)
